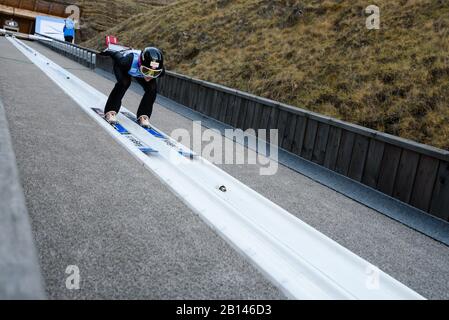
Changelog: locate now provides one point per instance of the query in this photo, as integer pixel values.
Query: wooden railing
(413, 173)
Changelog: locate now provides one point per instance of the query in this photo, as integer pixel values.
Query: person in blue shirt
(145, 67)
(69, 30)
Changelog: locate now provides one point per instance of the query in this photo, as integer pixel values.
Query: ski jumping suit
(126, 66)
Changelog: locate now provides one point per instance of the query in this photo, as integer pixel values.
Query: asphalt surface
(20, 276)
(92, 205)
(92, 187)
(414, 218)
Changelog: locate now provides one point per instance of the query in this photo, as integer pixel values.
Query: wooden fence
(413, 173)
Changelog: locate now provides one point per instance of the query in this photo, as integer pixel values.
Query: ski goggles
(150, 73)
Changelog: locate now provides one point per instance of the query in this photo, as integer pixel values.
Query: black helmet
(152, 62)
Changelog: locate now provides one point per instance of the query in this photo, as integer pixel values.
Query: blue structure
(50, 26)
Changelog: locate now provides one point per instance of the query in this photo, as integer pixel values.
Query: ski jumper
(126, 67)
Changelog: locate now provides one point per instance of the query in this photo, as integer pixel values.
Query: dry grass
(99, 16)
(394, 80)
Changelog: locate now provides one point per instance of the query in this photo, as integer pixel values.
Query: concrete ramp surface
(157, 226)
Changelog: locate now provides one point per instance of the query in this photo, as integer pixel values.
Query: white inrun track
(301, 261)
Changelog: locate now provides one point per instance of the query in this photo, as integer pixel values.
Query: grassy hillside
(395, 79)
(98, 16)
